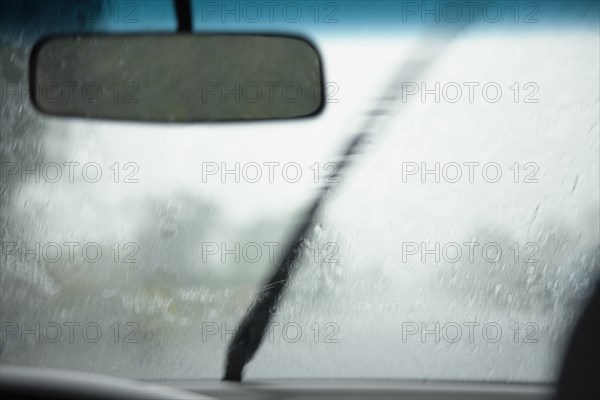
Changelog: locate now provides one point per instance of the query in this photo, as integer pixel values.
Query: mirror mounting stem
(184, 16)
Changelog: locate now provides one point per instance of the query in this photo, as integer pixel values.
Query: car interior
(422, 175)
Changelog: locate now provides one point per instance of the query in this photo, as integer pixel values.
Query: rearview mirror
(177, 78)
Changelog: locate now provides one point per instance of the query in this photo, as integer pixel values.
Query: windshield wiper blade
(250, 333)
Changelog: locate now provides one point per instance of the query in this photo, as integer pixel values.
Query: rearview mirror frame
(43, 102)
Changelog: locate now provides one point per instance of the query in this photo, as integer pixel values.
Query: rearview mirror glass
(177, 78)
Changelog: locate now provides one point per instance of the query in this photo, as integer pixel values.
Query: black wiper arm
(249, 335)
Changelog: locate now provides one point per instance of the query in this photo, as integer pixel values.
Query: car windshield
(459, 243)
